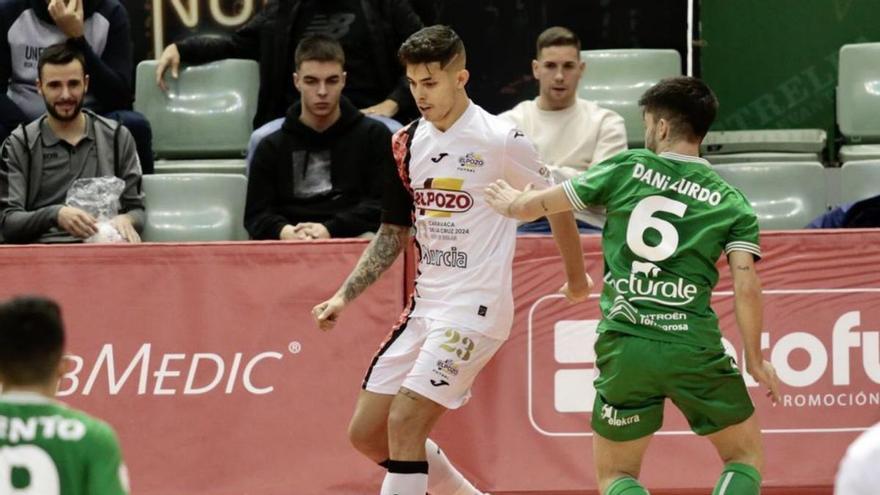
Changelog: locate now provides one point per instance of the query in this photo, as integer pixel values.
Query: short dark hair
(31, 340)
(686, 102)
(319, 48)
(436, 43)
(557, 36)
(61, 54)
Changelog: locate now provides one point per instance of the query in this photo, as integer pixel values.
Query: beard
(50, 107)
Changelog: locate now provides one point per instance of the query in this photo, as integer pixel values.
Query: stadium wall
(205, 359)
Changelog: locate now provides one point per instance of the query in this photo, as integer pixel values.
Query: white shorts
(435, 359)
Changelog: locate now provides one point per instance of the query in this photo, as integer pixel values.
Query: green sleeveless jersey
(47, 448)
(669, 218)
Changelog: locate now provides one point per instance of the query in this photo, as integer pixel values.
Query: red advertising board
(822, 322)
(205, 359)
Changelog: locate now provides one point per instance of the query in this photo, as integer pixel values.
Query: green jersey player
(670, 216)
(47, 448)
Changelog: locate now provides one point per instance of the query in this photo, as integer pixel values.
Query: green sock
(738, 479)
(626, 486)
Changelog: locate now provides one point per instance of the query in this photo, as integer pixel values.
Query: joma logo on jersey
(643, 285)
(441, 197)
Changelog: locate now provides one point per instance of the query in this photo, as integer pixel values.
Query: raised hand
(68, 17)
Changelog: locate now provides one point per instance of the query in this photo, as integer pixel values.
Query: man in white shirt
(461, 308)
(571, 133)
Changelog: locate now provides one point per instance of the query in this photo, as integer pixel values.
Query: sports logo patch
(471, 161)
(441, 197)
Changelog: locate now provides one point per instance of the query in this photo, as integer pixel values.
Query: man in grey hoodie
(39, 161)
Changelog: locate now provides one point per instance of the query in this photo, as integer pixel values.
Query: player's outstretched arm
(526, 205)
(378, 257)
(568, 241)
(749, 317)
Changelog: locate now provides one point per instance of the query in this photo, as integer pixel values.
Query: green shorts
(636, 375)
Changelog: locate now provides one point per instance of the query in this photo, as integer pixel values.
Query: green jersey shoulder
(49, 448)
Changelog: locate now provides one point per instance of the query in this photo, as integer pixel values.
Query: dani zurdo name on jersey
(647, 282)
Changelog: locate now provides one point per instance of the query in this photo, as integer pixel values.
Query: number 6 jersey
(464, 248)
(670, 217)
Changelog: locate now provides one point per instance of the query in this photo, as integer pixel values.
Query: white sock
(444, 478)
(405, 478)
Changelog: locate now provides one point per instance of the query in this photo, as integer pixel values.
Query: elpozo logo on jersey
(443, 196)
(471, 161)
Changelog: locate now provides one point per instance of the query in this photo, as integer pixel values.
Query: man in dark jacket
(321, 174)
(40, 161)
(370, 31)
(101, 30)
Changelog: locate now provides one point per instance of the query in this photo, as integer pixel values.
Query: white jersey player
(461, 308)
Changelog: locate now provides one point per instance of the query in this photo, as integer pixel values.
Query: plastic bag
(99, 197)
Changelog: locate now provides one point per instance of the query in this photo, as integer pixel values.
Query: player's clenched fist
(326, 313)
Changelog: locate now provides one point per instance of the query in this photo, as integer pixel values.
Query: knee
(365, 441)
(406, 423)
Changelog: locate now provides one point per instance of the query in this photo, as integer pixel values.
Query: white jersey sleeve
(522, 164)
(859, 471)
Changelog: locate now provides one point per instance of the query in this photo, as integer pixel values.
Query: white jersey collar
(24, 398)
(460, 121)
(685, 158)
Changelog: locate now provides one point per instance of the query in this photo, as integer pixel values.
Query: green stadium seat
(194, 207)
(769, 145)
(207, 113)
(856, 152)
(858, 100)
(726, 158)
(784, 195)
(221, 166)
(859, 180)
(616, 79)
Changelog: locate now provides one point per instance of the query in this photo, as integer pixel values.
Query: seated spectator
(570, 133)
(320, 175)
(98, 28)
(370, 31)
(41, 160)
(862, 214)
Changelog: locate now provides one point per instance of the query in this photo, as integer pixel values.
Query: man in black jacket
(321, 174)
(370, 31)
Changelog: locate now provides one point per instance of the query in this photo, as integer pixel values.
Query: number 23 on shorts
(455, 344)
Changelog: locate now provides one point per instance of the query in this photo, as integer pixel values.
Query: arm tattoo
(543, 205)
(378, 257)
(743, 268)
